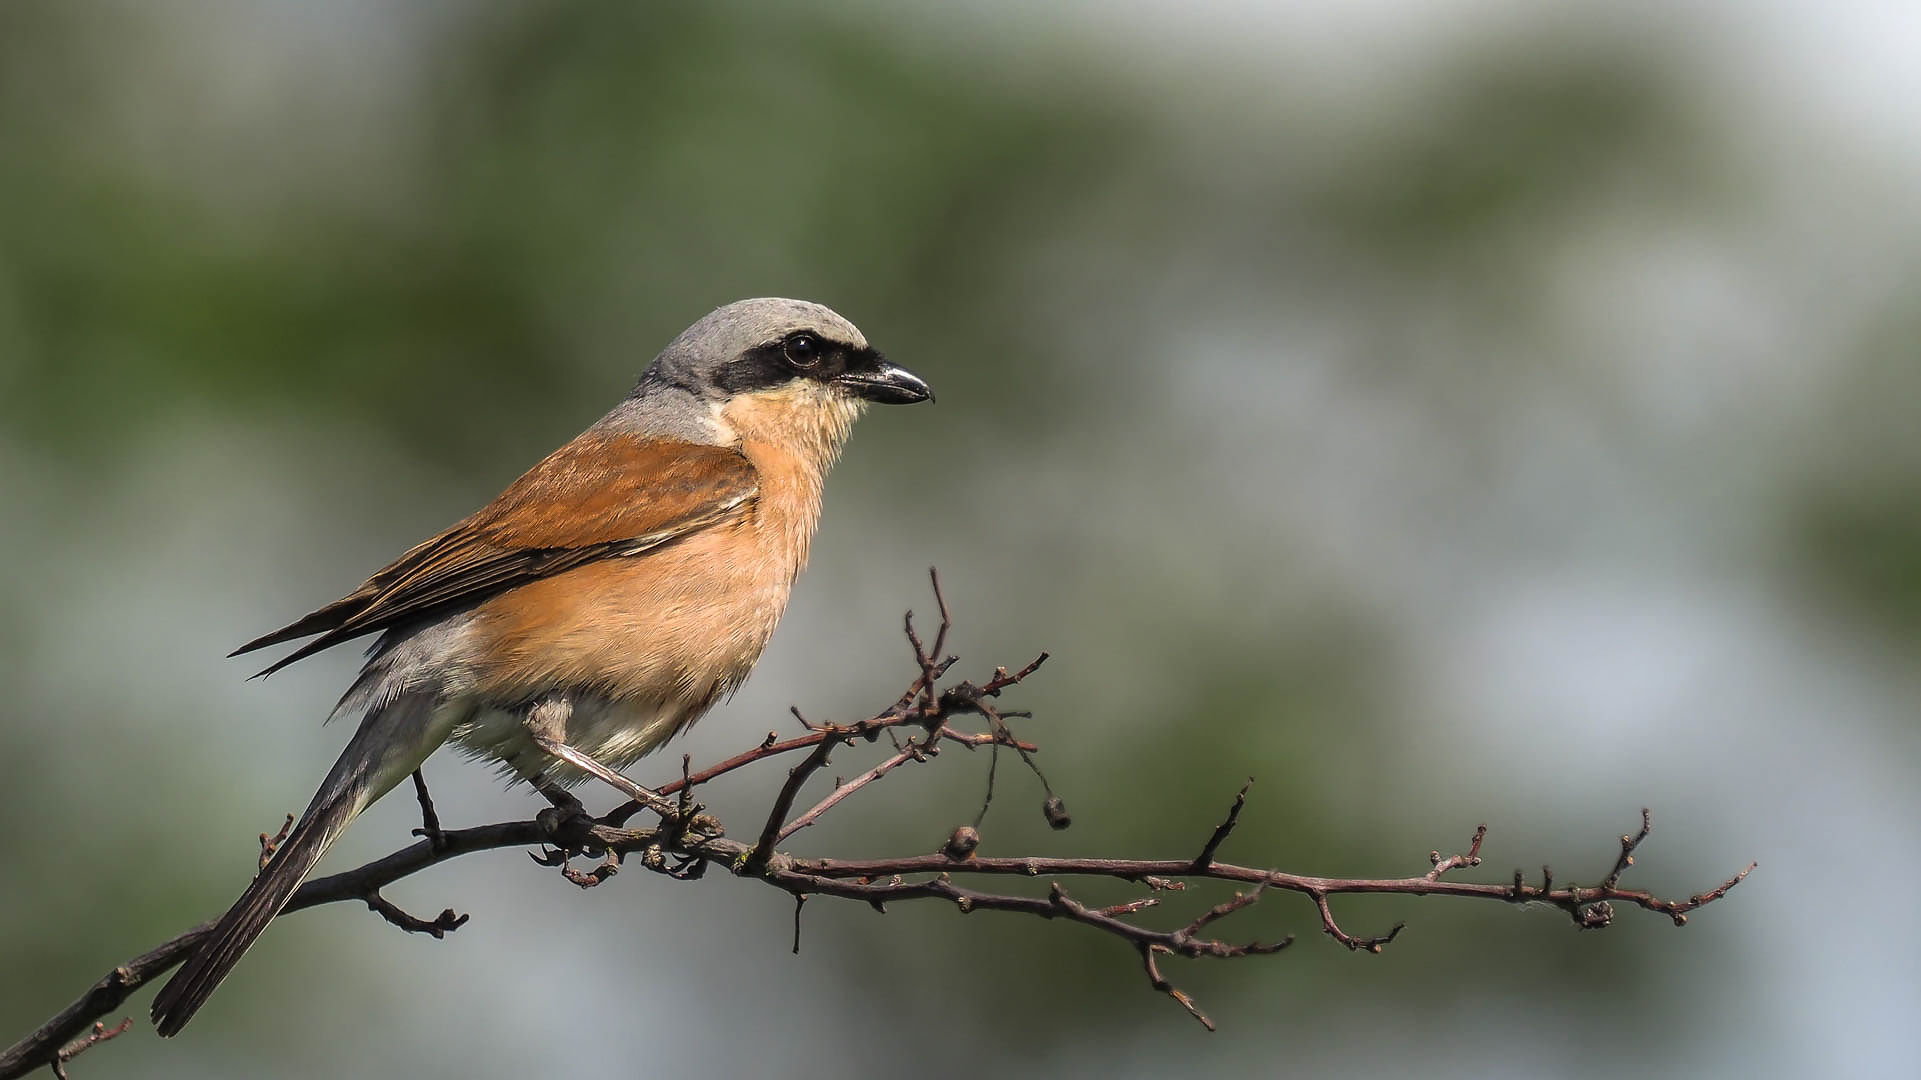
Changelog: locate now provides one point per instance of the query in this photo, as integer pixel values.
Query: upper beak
(887, 383)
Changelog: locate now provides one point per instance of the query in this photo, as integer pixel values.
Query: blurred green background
(1442, 412)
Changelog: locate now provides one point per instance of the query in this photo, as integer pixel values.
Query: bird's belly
(642, 647)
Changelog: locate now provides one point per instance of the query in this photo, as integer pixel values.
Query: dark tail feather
(237, 930)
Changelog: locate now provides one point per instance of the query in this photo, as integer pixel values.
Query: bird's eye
(802, 350)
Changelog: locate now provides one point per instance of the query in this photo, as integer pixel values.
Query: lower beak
(887, 384)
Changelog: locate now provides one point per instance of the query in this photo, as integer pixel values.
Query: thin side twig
(100, 1033)
(1221, 831)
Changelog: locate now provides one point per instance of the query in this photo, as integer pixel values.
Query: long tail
(391, 744)
(196, 980)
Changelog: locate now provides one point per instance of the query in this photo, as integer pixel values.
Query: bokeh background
(1442, 412)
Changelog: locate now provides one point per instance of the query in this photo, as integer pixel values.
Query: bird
(600, 604)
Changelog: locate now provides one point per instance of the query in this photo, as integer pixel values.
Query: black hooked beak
(878, 379)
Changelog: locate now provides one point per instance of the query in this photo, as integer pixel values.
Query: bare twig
(1628, 843)
(100, 1033)
(1221, 831)
(966, 697)
(685, 840)
(1358, 944)
(271, 843)
(1473, 856)
(784, 802)
(438, 927)
(608, 866)
(774, 747)
(846, 788)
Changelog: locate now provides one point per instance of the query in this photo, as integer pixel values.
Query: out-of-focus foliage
(1510, 426)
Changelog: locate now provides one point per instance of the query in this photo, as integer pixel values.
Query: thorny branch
(681, 841)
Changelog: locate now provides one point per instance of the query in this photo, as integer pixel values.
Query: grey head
(763, 346)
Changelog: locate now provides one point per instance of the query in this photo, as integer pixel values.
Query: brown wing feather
(599, 496)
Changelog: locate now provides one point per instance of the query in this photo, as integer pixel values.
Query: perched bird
(601, 603)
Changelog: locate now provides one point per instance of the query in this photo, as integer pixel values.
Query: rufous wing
(598, 497)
